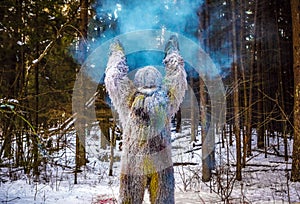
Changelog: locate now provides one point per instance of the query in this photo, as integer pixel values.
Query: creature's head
(148, 77)
(149, 104)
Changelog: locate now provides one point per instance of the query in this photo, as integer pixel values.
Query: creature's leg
(161, 187)
(132, 188)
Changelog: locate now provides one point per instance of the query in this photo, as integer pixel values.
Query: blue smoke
(116, 17)
(123, 16)
(174, 15)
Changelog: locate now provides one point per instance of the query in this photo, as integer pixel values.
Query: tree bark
(193, 111)
(178, 120)
(206, 156)
(245, 95)
(236, 97)
(35, 150)
(112, 147)
(206, 170)
(259, 80)
(281, 91)
(80, 135)
(252, 65)
(295, 8)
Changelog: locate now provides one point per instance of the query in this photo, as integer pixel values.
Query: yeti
(145, 107)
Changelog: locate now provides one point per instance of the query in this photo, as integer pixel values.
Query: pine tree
(37, 71)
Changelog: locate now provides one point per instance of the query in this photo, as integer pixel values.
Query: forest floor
(265, 179)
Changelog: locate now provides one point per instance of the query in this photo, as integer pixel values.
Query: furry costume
(145, 107)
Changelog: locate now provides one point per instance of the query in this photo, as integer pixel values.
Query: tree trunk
(80, 135)
(83, 30)
(178, 120)
(203, 37)
(112, 147)
(236, 98)
(249, 114)
(20, 86)
(36, 84)
(295, 7)
(193, 111)
(281, 91)
(252, 65)
(245, 95)
(260, 104)
(206, 169)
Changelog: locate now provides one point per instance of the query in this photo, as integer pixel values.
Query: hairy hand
(115, 47)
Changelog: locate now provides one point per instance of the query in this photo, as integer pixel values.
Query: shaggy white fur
(145, 108)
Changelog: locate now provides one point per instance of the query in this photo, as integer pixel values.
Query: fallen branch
(257, 170)
(192, 150)
(271, 153)
(260, 165)
(7, 201)
(280, 162)
(184, 163)
(199, 147)
(177, 138)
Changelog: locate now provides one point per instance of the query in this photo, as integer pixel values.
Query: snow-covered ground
(264, 179)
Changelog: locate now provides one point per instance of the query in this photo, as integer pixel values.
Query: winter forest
(234, 139)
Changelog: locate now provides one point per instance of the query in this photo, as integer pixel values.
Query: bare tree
(251, 84)
(245, 95)
(194, 120)
(236, 96)
(203, 38)
(80, 135)
(206, 169)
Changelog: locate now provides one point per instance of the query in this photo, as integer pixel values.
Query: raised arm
(175, 79)
(119, 87)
